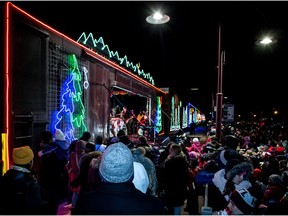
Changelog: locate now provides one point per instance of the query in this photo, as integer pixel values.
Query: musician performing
(129, 122)
(142, 122)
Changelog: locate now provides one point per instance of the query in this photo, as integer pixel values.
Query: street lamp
(158, 18)
(266, 41)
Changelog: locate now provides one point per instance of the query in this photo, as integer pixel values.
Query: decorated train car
(51, 81)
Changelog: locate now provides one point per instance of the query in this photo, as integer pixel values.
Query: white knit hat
(59, 135)
(195, 140)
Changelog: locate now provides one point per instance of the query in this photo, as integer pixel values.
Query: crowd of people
(245, 172)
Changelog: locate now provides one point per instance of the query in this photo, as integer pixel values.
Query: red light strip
(7, 99)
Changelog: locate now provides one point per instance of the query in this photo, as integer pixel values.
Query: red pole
(219, 95)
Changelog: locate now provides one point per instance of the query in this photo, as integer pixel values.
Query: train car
(51, 81)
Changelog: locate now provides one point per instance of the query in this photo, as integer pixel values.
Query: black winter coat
(176, 181)
(20, 194)
(118, 199)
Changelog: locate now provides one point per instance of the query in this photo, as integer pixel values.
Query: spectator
(139, 156)
(127, 141)
(195, 146)
(59, 146)
(74, 168)
(176, 179)
(53, 175)
(90, 147)
(142, 141)
(46, 139)
(85, 137)
(99, 144)
(192, 195)
(149, 150)
(88, 177)
(227, 150)
(241, 202)
(120, 133)
(274, 192)
(140, 180)
(160, 169)
(117, 172)
(20, 190)
(238, 177)
(216, 198)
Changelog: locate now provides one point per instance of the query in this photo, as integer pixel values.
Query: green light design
(104, 49)
(175, 115)
(78, 115)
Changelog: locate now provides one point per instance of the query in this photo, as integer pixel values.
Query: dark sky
(183, 53)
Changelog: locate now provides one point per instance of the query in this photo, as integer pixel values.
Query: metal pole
(219, 95)
(212, 105)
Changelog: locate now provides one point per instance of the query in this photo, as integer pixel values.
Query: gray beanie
(117, 164)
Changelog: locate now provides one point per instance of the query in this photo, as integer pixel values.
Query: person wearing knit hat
(194, 140)
(195, 146)
(241, 202)
(140, 180)
(139, 156)
(59, 146)
(225, 155)
(22, 155)
(257, 173)
(117, 172)
(274, 192)
(53, 175)
(117, 164)
(20, 190)
(279, 150)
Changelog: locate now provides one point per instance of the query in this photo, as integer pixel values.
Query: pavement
(64, 208)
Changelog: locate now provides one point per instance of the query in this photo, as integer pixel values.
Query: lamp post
(219, 95)
(266, 40)
(158, 18)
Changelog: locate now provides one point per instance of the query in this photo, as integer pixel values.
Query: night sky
(183, 53)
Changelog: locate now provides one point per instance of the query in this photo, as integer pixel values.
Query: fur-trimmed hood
(244, 167)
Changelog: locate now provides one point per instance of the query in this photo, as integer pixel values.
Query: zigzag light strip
(100, 45)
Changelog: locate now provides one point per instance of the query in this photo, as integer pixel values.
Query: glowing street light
(266, 41)
(158, 18)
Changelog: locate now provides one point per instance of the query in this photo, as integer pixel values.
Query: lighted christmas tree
(70, 117)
